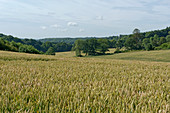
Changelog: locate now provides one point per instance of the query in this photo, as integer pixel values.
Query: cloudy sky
(74, 18)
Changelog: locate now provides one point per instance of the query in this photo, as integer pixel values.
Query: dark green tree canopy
(103, 45)
(91, 46)
(136, 31)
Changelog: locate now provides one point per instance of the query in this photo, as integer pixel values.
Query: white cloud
(72, 24)
(43, 27)
(81, 30)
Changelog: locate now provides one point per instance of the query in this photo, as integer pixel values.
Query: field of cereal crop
(156, 55)
(41, 83)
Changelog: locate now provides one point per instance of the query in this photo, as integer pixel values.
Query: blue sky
(80, 18)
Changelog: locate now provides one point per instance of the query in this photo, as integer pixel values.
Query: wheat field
(41, 83)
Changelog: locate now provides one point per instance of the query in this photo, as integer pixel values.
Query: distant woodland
(10, 43)
(152, 40)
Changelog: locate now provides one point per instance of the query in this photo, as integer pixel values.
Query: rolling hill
(64, 83)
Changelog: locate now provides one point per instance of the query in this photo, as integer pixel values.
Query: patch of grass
(159, 55)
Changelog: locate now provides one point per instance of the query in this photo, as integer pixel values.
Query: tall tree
(138, 39)
(85, 45)
(134, 42)
(136, 31)
(93, 44)
(103, 45)
(78, 47)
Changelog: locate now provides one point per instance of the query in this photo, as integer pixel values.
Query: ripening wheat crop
(83, 85)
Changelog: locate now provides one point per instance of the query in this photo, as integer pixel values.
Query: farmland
(158, 56)
(128, 82)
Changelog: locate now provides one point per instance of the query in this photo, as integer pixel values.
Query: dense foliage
(91, 46)
(154, 40)
(17, 47)
(149, 40)
(144, 41)
(33, 46)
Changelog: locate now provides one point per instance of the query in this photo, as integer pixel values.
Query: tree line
(152, 40)
(11, 43)
(91, 46)
(17, 47)
(135, 41)
(138, 42)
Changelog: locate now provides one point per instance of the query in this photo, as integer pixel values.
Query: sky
(81, 18)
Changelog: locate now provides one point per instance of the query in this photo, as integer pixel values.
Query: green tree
(85, 47)
(136, 31)
(147, 45)
(134, 42)
(113, 43)
(168, 38)
(50, 51)
(130, 43)
(155, 41)
(93, 44)
(162, 40)
(78, 47)
(103, 45)
(120, 43)
(138, 39)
